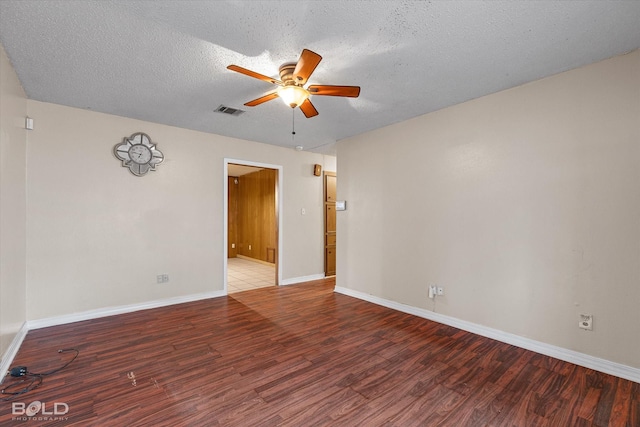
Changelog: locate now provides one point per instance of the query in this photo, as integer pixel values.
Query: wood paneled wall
(255, 215)
(329, 223)
(232, 217)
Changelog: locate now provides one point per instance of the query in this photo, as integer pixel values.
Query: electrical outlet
(159, 278)
(233, 246)
(249, 247)
(440, 290)
(586, 322)
(432, 292)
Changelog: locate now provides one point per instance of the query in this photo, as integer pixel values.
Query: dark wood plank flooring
(304, 356)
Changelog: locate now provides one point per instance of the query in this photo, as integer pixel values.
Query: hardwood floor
(304, 356)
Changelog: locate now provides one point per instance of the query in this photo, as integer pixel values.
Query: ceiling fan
(293, 77)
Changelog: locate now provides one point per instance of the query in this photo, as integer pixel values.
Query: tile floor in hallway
(244, 274)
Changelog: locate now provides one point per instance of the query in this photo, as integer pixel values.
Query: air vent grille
(228, 110)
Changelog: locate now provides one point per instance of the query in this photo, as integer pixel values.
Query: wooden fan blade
(308, 109)
(306, 64)
(262, 99)
(253, 74)
(350, 91)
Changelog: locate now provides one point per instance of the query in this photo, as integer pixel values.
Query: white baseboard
(111, 311)
(301, 279)
(581, 359)
(10, 354)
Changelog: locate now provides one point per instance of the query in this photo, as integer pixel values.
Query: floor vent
(229, 110)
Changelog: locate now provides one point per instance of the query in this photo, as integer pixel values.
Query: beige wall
(13, 138)
(330, 164)
(524, 205)
(97, 236)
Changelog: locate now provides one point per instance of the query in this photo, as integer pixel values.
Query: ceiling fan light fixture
(294, 77)
(293, 95)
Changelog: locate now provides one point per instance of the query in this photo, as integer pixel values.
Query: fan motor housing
(286, 72)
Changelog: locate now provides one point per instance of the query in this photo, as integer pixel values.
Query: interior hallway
(244, 274)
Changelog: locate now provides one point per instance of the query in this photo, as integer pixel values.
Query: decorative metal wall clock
(138, 153)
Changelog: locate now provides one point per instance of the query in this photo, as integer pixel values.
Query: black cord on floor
(33, 380)
(17, 388)
(66, 350)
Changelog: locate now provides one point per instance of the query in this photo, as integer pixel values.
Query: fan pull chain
(293, 124)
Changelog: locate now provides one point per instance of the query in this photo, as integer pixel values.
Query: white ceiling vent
(229, 110)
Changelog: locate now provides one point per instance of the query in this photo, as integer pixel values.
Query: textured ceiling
(165, 61)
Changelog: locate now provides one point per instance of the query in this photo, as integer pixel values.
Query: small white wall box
(28, 123)
(341, 205)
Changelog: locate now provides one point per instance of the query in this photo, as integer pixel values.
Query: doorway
(252, 224)
(329, 224)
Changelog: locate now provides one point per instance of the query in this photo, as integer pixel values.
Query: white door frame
(279, 198)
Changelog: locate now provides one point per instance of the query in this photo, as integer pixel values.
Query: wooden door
(330, 223)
